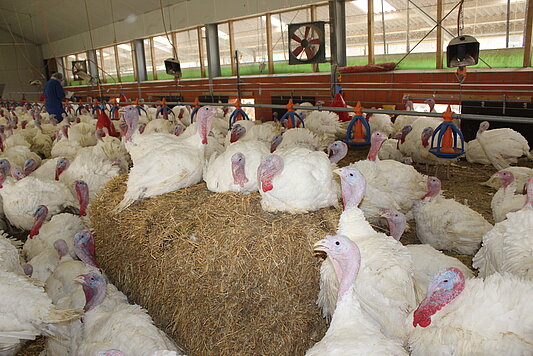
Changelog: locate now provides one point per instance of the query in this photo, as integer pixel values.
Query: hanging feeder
(338, 102)
(237, 114)
(447, 135)
(97, 107)
(139, 107)
(115, 109)
(355, 135)
(164, 110)
(196, 106)
(291, 116)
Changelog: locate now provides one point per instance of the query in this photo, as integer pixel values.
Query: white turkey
(521, 176)
(384, 284)
(505, 200)
(9, 255)
(27, 312)
(324, 124)
(502, 147)
(351, 331)
(165, 169)
(111, 323)
(426, 259)
(236, 168)
(298, 137)
(44, 234)
(508, 247)
(247, 130)
(297, 180)
(36, 192)
(463, 316)
(446, 224)
(390, 184)
(43, 264)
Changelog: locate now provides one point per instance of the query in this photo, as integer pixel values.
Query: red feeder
(338, 102)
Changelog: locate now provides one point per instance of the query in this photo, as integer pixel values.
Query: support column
(92, 63)
(201, 50)
(440, 9)
(337, 17)
(370, 21)
(213, 52)
(140, 60)
(269, 44)
(313, 19)
(528, 34)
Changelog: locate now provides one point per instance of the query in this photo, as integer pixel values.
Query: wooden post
(370, 20)
(440, 8)
(117, 63)
(232, 47)
(152, 56)
(102, 67)
(313, 19)
(269, 44)
(528, 33)
(201, 50)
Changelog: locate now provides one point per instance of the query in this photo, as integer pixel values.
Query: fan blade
(297, 51)
(296, 38)
(315, 41)
(309, 53)
(307, 29)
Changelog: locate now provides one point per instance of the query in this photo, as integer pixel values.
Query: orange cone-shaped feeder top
(358, 134)
(447, 139)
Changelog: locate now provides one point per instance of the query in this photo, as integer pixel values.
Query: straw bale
(219, 274)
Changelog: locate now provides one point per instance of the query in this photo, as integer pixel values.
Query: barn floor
(463, 185)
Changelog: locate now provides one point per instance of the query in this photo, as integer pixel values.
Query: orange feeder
(355, 135)
(447, 135)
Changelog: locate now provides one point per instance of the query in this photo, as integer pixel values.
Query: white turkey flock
(397, 293)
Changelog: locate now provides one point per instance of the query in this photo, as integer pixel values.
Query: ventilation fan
(307, 43)
(78, 66)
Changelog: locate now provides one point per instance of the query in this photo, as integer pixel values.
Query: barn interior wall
(20, 63)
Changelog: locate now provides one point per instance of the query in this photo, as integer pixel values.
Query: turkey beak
(80, 279)
(321, 246)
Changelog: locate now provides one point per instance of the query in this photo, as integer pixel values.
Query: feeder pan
(447, 135)
(462, 51)
(291, 116)
(164, 110)
(235, 114)
(97, 106)
(114, 110)
(139, 108)
(355, 136)
(196, 106)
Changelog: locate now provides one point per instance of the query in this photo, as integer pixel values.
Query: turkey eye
(351, 174)
(337, 243)
(445, 281)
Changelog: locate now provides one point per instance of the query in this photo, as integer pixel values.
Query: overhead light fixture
(462, 51)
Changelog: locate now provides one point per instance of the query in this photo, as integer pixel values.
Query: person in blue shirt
(54, 95)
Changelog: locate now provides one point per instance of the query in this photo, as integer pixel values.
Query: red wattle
(266, 186)
(204, 141)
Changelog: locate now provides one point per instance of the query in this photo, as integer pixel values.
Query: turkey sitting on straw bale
(502, 147)
(351, 331)
(162, 169)
(236, 168)
(446, 224)
(508, 246)
(297, 180)
(459, 316)
(426, 259)
(384, 286)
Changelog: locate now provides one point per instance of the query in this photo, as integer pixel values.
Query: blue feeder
(114, 109)
(81, 107)
(446, 134)
(292, 116)
(360, 137)
(193, 113)
(235, 114)
(164, 110)
(139, 109)
(98, 106)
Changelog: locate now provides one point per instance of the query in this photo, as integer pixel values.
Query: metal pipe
(213, 52)
(508, 24)
(523, 120)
